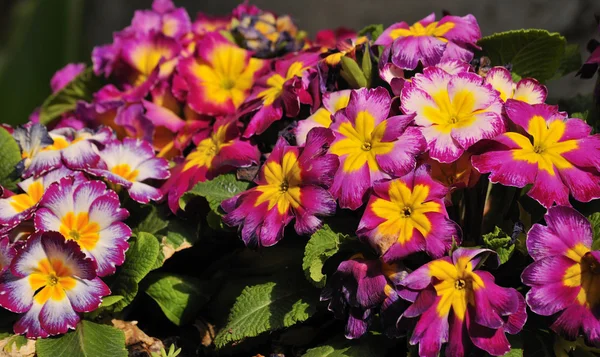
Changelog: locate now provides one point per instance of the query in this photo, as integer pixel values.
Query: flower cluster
(403, 150)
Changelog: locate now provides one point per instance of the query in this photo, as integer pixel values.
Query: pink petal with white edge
(87, 295)
(143, 193)
(375, 101)
(106, 210)
(442, 147)
(16, 294)
(487, 125)
(109, 252)
(29, 324)
(548, 189)
(584, 186)
(530, 91)
(501, 80)
(58, 316)
(504, 169)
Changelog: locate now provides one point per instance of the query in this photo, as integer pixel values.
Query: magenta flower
(453, 111)
(527, 90)
(371, 146)
(221, 152)
(130, 163)
(292, 184)
(455, 303)
(563, 276)
(50, 282)
(555, 154)
(407, 215)
(7, 253)
(322, 117)
(65, 75)
(282, 90)
(89, 214)
(429, 41)
(164, 18)
(360, 289)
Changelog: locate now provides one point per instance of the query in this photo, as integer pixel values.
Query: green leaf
(65, 100)
(179, 297)
(179, 235)
(516, 346)
(369, 346)
(215, 191)
(595, 222)
(152, 223)
(499, 242)
(141, 257)
(267, 307)
(14, 343)
(322, 245)
(352, 73)
(532, 52)
(111, 300)
(570, 62)
(10, 155)
(367, 65)
(88, 340)
(372, 31)
(580, 115)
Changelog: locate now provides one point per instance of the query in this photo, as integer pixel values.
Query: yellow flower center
(585, 274)
(125, 171)
(283, 184)
(275, 83)
(30, 198)
(449, 113)
(362, 143)
(207, 149)
(418, 30)
(78, 227)
(546, 150)
(50, 280)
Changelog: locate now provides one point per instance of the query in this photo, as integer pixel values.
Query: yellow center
(449, 113)
(30, 198)
(207, 150)
(275, 83)
(50, 280)
(362, 143)
(418, 30)
(80, 229)
(283, 184)
(404, 212)
(124, 170)
(546, 150)
(455, 285)
(585, 273)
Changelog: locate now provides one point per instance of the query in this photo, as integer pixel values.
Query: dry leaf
(136, 338)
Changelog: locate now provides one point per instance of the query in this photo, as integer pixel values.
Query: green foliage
(516, 346)
(65, 100)
(570, 62)
(215, 191)
(14, 343)
(369, 346)
(499, 242)
(172, 352)
(88, 340)
(595, 222)
(271, 306)
(532, 52)
(367, 65)
(372, 31)
(323, 244)
(352, 73)
(179, 297)
(141, 257)
(10, 155)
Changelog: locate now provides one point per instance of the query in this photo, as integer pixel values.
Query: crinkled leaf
(501, 243)
(532, 52)
(179, 297)
(267, 307)
(88, 340)
(373, 31)
(595, 222)
(215, 191)
(323, 244)
(177, 236)
(141, 257)
(352, 73)
(10, 155)
(65, 100)
(570, 62)
(153, 223)
(369, 346)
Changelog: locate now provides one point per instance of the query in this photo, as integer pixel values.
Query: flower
(558, 155)
(20, 207)
(407, 215)
(458, 174)
(370, 145)
(453, 111)
(164, 18)
(292, 183)
(332, 103)
(283, 88)
(430, 41)
(89, 214)
(69, 147)
(222, 151)
(527, 90)
(7, 253)
(65, 75)
(564, 275)
(461, 305)
(50, 282)
(220, 76)
(128, 164)
(361, 288)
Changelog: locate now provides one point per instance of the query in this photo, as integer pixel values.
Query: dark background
(37, 37)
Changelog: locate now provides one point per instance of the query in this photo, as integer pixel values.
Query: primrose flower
(461, 305)
(69, 147)
(292, 183)
(50, 282)
(164, 18)
(458, 174)
(220, 77)
(284, 88)
(453, 111)
(65, 75)
(7, 253)
(361, 288)
(371, 146)
(221, 152)
(20, 207)
(407, 215)
(564, 275)
(527, 90)
(558, 155)
(332, 103)
(90, 215)
(128, 164)
(430, 41)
